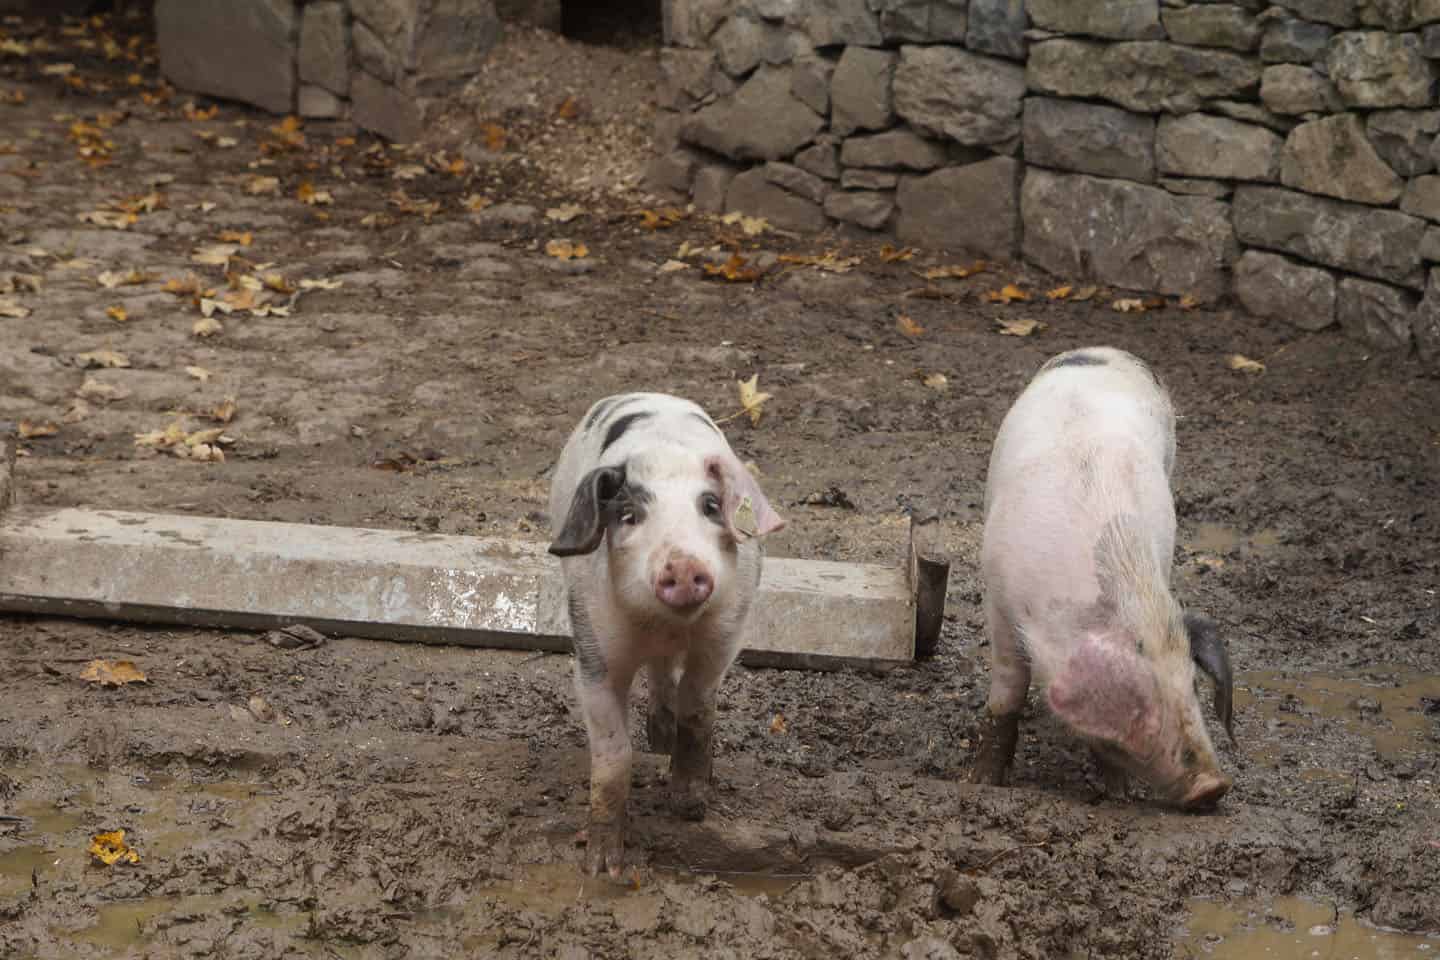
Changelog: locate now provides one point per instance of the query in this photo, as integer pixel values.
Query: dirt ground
(387, 800)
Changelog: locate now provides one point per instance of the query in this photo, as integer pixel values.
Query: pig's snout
(684, 583)
(1205, 791)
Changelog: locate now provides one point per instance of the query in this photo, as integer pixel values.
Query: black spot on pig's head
(593, 507)
(1077, 358)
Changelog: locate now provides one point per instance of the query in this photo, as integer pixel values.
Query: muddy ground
(391, 800)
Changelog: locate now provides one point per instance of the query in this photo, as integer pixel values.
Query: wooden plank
(7, 465)
(398, 585)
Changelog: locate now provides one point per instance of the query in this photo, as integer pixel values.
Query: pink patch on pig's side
(1107, 693)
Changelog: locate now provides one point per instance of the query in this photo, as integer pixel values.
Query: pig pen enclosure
(402, 336)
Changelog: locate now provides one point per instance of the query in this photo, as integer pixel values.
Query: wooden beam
(403, 586)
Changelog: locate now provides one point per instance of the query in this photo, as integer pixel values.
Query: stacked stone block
(379, 62)
(1282, 154)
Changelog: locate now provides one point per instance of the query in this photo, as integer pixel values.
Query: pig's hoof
(687, 801)
(605, 848)
(990, 771)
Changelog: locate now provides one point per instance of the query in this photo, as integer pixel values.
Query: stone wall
(1284, 155)
(378, 62)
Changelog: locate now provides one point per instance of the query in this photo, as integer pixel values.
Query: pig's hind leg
(660, 675)
(1009, 685)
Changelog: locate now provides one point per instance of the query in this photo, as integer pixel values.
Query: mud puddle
(1289, 928)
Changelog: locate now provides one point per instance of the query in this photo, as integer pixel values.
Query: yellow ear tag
(744, 519)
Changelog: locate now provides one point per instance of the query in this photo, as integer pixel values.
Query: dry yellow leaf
(734, 269)
(32, 429)
(307, 194)
(114, 219)
(1007, 294)
(1244, 364)
(199, 373)
(564, 213)
(110, 849)
(830, 261)
(117, 313)
(92, 389)
(661, 219)
(494, 137)
(110, 279)
(236, 236)
(907, 325)
(1084, 293)
(1019, 328)
(168, 437)
(670, 266)
(752, 401)
(956, 271)
(750, 226)
(777, 724)
(224, 413)
(569, 109)
(1188, 302)
(889, 254)
(407, 171)
(77, 411)
(1128, 305)
(258, 185)
(207, 327)
(565, 250)
(10, 307)
(214, 254)
(321, 284)
(112, 673)
(474, 202)
(1059, 293)
(935, 381)
(102, 358)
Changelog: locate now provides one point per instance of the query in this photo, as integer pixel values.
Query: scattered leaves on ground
(207, 327)
(199, 445)
(935, 381)
(113, 673)
(225, 412)
(1137, 304)
(662, 219)
(565, 250)
(736, 269)
(260, 185)
(214, 254)
(1059, 293)
(671, 266)
(474, 202)
(494, 137)
(889, 254)
(752, 401)
(117, 313)
(564, 213)
(110, 848)
(111, 279)
(1007, 294)
(34, 429)
(1084, 293)
(408, 171)
(777, 724)
(908, 326)
(1018, 328)
(111, 219)
(9, 307)
(1244, 364)
(307, 194)
(102, 358)
(77, 411)
(956, 271)
(244, 238)
(199, 373)
(750, 226)
(1187, 302)
(829, 261)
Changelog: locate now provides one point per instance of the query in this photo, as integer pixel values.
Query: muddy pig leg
(1112, 774)
(690, 763)
(1009, 684)
(660, 720)
(605, 700)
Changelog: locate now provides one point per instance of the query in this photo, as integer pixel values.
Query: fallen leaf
(408, 171)
(830, 261)
(188, 286)
(199, 373)
(494, 137)
(752, 401)
(1188, 302)
(278, 283)
(11, 308)
(113, 673)
(168, 437)
(564, 213)
(57, 69)
(1018, 328)
(321, 284)
(956, 271)
(225, 412)
(199, 114)
(777, 724)
(31, 429)
(1007, 294)
(1084, 293)
(92, 389)
(226, 143)
(207, 327)
(907, 325)
(258, 185)
(1244, 364)
(236, 236)
(565, 250)
(1128, 305)
(736, 269)
(889, 254)
(670, 266)
(307, 194)
(935, 381)
(102, 358)
(1059, 293)
(662, 219)
(113, 219)
(750, 226)
(117, 313)
(77, 411)
(214, 254)
(110, 848)
(475, 203)
(111, 279)
(569, 109)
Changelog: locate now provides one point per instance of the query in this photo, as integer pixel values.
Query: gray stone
(684, 77)
(546, 14)
(325, 47)
(1398, 15)
(945, 91)
(1213, 25)
(317, 103)
(710, 185)
(1425, 324)
(1430, 42)
(689, 23)
(860, 95)
(385, 109)
(997, 27)
(762, 121)
(1403, 138)
(667, 131)
(1332, 157)
(1290, 89)
(810, 82)
(1376, 313)
(1373, 242)
(1430, 245)
(672, 173)
(1374, 69)
(923, 21)
(1199, 145)
(971, 208)
(1251, 113)
(1422, 197)
(1089, 138)
(1196, 187)
(373, 56)
(822, 160)
(774, 9)
(397, 22)
(752, 193)
(867, 208)
(861, 179)
(454, 38)
(1109, 19)
(1144, 77)
(797, 181)
(1277, 288)
(899, 148)
(741, 44)
(1127, 234)
(240, 51)
(1337, 13)
(834, 22)
(1295, 41)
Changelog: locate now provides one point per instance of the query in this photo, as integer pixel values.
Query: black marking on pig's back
(618, 428)
(1077, 358)
(604, 407)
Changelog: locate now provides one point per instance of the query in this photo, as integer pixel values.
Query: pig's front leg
(605, 701)
(690, 761)
(1009, 684)
(660, 719)
(1112, 774)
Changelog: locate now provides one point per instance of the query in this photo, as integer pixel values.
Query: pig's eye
(628, 518)
(710, 506)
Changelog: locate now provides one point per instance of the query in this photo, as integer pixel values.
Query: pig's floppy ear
(584, 528)
(1209, 653)
(747, 512)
